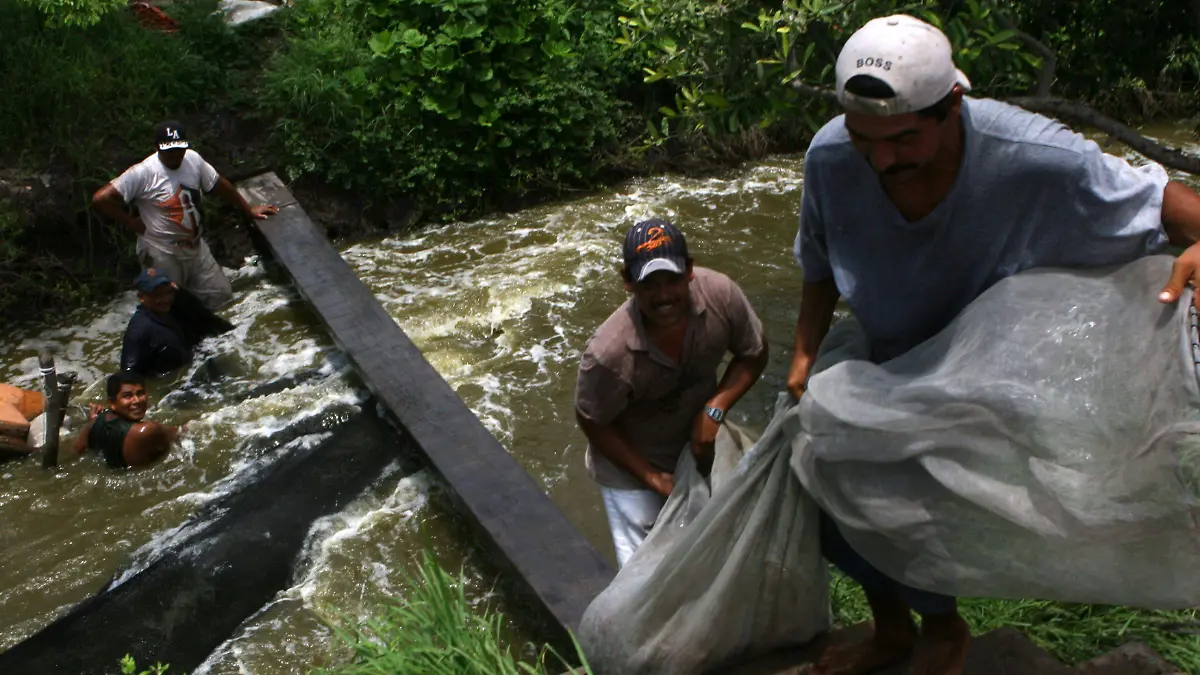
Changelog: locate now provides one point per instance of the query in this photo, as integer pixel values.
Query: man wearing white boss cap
(917, 200)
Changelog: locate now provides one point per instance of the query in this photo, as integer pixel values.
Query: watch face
(716, 414)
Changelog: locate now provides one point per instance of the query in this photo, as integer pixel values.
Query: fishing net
(1045, 445)
(731, 569)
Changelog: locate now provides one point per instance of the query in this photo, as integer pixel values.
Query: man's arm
(1181, 222)
(820, 294)
(81, 441)
(607, 440)
(750, 354)
(109, 202)
(148, 441)
(817, 302)
(741, 374)
(1181, 214)
(227, 192)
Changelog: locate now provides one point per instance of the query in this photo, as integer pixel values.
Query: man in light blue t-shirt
(915, 202)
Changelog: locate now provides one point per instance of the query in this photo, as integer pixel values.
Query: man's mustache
(898, 168)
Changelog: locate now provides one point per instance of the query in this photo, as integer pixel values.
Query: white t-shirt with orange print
(168, 201)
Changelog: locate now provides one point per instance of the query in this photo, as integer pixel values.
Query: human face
(160, 299)
(130, 403)
(173, 158)
(899, 147)
(664, 298)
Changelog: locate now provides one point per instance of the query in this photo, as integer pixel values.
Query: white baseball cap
(911, 56)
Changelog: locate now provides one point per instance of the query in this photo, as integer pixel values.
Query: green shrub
(451, 101)
(1127, 58)
(129, 667)
(75, 12)
(72, 94)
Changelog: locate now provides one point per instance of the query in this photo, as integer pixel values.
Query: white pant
(631, 515)
(198, 272)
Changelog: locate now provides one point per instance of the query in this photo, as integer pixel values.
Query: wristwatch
(716, 414)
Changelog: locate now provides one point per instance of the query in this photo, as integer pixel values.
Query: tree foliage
(1119, 56)
(78, 13)
(734, 64)
(449, 100)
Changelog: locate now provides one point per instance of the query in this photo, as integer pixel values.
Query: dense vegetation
(458, 101)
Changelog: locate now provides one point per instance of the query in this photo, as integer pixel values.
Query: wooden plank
(554, 560)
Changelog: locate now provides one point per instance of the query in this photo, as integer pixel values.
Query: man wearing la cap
(647, 386)
(167, 187)
(917, 200)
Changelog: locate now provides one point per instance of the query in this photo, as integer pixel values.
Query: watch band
(716, 414)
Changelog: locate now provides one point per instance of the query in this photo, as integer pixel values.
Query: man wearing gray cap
(916, 201)
(647, 386)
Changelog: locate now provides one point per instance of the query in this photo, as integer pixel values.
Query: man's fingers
(1181, 273)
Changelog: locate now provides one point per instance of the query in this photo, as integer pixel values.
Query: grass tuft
(434, 630)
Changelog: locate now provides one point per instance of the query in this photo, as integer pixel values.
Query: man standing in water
(647, 385)
(154, 342)
(166, 187)
(167, 324)
(120, 431)
(917, 200)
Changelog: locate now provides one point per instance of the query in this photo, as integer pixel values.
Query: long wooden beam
(514, 516)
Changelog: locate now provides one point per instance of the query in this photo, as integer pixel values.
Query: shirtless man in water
(915, 202)
(121, 431)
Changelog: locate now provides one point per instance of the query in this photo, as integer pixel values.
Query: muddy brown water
(501, 307)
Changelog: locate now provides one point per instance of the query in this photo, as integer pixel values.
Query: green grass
(434, 631)
(1072, 633)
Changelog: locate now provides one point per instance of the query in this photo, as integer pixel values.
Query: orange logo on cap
(656, 239)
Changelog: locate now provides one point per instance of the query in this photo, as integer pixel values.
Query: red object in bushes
(153, 18)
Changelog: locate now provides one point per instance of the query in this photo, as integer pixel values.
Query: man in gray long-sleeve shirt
(915, 202)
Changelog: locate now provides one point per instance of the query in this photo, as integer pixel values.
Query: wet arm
(227, 192)
(109, 202)
(1181, 214)
(817, 302)
(146, 442)
(742, 373)
(81, 441)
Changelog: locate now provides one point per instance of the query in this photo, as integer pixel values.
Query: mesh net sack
(1046, 444)
(731, 569)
